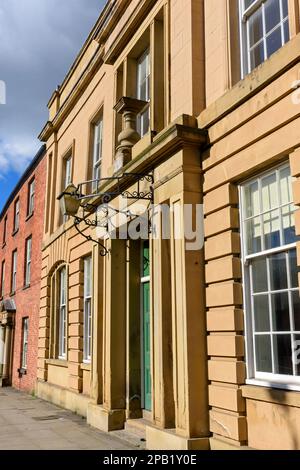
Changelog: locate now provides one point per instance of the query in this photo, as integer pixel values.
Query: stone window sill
(272, 395)
(29, 216)
(86, 366)
(15, 232)
(57, 362)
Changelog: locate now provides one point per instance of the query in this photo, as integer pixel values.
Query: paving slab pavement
(28, 423)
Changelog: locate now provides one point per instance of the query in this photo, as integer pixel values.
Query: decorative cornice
(84, 79)
(169, 141)
(134, 21)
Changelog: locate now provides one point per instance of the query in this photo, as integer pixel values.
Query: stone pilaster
(226, 367)
(75, 326)
(111, 415)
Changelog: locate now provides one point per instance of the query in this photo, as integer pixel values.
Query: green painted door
(146, 329)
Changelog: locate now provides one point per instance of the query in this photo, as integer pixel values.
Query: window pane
(261, 313)
(87, 277)
(288, 222)
(145, 118)
(286, 29)
(271, 230)
(259, 275)
(146, 259)
(285, 182)
(272, 14)
(253, 231)
(257, 55)
(143, 91)
(296, 306)
(255, 27)
(283, 354)
(281, 312)
(285, 9)
(296, 353)
(274, 41)
(263, 353)
(252, 204)
(293, 268)
(269, 193)
(63, 286)
(248, 3)
(278, 272)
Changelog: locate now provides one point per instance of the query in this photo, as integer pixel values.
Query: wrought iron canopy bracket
(106, 197)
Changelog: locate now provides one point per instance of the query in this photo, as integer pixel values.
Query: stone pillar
(129, 108)
(162, 357)
(188, 323)
(226, 366)
(111, 415)
(97, 359)
(189, 329)
(75, 325)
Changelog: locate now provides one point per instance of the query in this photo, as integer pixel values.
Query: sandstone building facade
(199, 344)
(21, 234)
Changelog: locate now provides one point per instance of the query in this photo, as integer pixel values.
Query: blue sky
(39, 40)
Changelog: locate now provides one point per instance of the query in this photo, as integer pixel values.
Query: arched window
(59, 314)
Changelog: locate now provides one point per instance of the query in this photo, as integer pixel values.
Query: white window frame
(14, 272)
(2, 277)
(97, 152)
(62, 314)
(87, 309)
(17, 215)
(244, 15)
(28, 251)
(25, 333)
(140, 122)
(31, 193)
(265, 379)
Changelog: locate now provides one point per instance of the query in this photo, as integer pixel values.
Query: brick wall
(27, 300)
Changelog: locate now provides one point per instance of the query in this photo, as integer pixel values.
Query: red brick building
(21, 231)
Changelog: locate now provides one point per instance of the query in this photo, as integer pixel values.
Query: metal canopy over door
(146, 348)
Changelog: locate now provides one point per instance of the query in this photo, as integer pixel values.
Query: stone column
(189, 329)
(111, 415)
(129, 108)
(97, 360)
(226, 366)
(162, 357)
(187, 307)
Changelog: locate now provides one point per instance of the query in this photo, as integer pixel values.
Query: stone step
(130, 438)
(136, 426)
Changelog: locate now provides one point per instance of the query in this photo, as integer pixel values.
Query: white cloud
(16, 156)
(39, 39)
